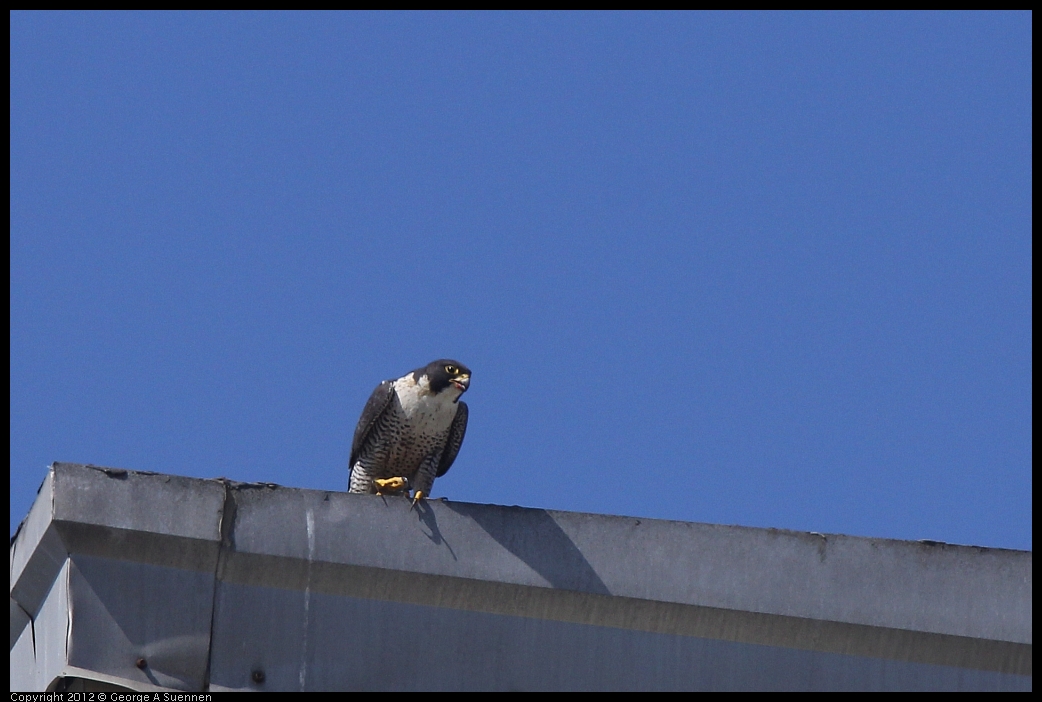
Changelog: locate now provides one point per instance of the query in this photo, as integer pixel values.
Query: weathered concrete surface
(208, 584)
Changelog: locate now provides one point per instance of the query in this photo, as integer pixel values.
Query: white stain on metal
(307, 598)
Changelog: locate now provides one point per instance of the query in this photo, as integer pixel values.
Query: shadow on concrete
(533, 536)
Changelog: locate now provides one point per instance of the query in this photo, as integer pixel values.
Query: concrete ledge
(221, 585)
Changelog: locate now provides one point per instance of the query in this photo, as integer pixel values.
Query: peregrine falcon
(410, 431)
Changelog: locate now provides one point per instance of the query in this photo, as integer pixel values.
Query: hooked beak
(462, 382)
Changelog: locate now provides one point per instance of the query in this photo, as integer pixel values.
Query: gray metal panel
(617, 612)
(37, 552)
(342, 643)
(325, 590)
(141, 611)
(158, 504)
(19, 620)
(23, 661)
(145, 548)
(114, 511)
(956, 590)
(51, 631)
(26, 540)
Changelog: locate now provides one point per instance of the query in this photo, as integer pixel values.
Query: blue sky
(760, 269)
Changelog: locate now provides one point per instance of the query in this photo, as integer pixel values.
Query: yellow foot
(417, 496)
(390, 485)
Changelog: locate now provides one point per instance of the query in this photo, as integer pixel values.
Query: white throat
(420, 403)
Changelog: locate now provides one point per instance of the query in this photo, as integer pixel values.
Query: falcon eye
(451, 370)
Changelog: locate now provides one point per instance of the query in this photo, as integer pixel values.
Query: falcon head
(446, 375)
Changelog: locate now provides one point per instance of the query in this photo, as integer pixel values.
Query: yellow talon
(417, 497)
(390, 485)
